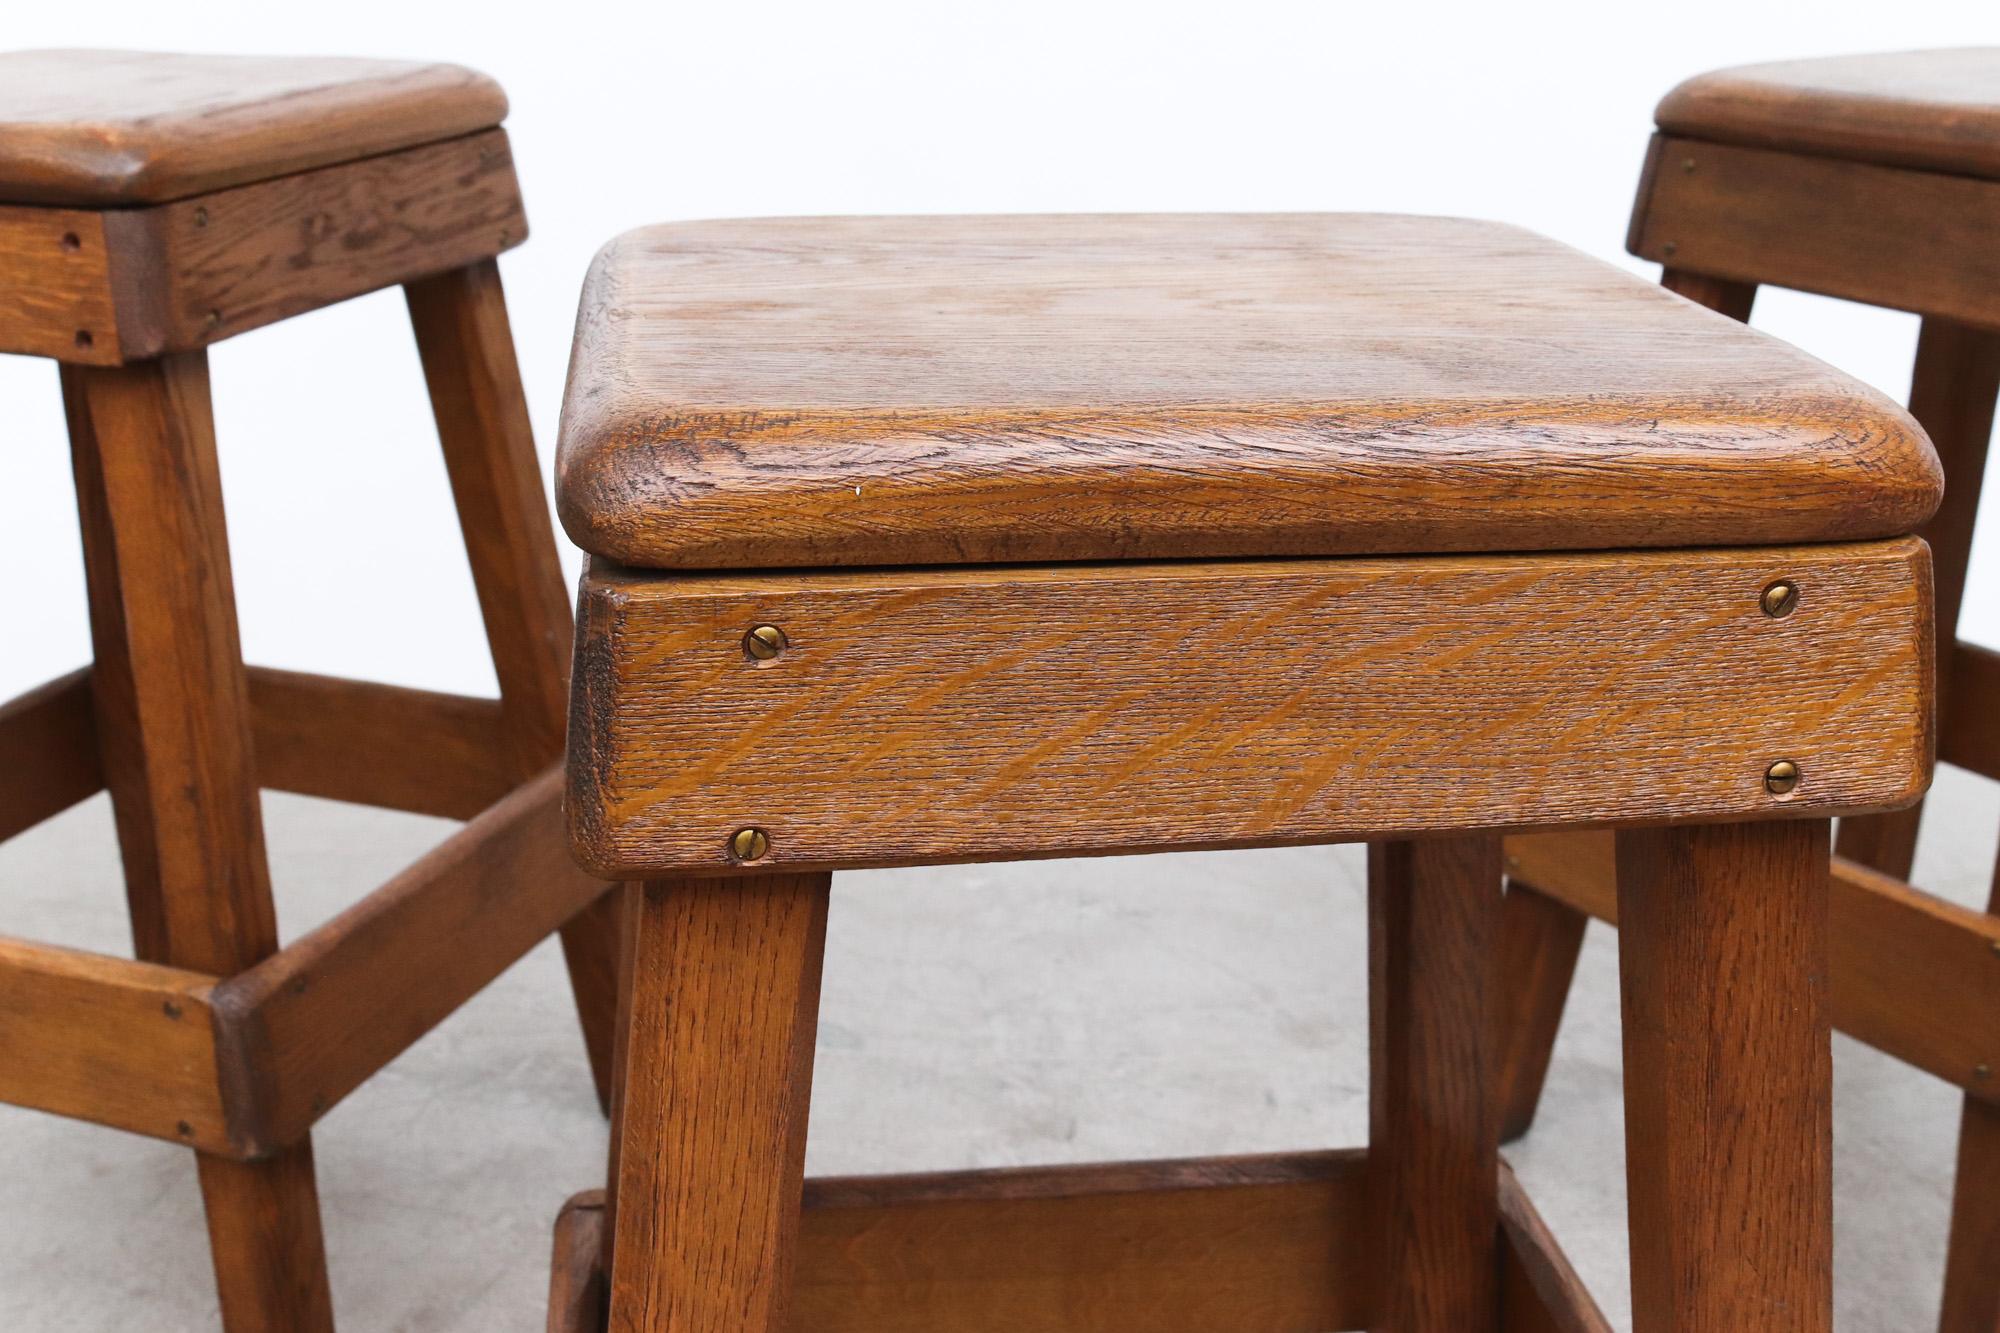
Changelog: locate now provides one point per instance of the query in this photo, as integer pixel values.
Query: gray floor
(972, 1017)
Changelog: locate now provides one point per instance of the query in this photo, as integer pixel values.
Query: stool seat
(885, 391)
(1936, 110)
(108, 129)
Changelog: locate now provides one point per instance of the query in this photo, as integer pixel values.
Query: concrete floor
(972, 1017)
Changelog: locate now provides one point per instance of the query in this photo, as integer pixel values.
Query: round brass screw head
(749, 844)
(1781, 777)
(1983, 1072)
(764, 642)
(1780, 599)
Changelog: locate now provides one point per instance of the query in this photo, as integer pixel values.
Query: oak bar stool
(1876, 179)
(974, 539)
(149, 206)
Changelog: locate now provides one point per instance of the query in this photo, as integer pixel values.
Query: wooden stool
(1876, 179)
(974, 539)
(149, 206)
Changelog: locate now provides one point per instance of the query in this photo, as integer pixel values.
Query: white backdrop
(347, 557)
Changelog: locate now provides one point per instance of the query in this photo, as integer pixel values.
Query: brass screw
(1781, 599)
(201, 217)
(749, 844)
(170, 1009)
(1996, 947)
(764, 643)
(1687, 164)
(1781, 777)
(184, 1129)
(1983, 1072)
(1670, 247)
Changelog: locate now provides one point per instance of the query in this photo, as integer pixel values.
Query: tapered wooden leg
(1728, 1076)
(1952, 394)
(718, 1078)
(1972, 1260)
(1540, 939)
(1722, 295)
(173, 721)
(1433, 1151)
(467, 348)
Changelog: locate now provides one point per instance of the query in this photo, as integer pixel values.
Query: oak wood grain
(58, 295)
(1952, 393)
(1728, 1076)
(306, 1027)
(873, 391)
(1938, 110)
(1540, 938)
(48, 739)
(1539, 1291)
(380, 745)
(1274, 1244)
(112, 129)
(173, 723)
(1911, 974)
(975, 714)
(1433, 1131)
(1889, 236)
(126, 1044)
(718, 1078)
(467, 347)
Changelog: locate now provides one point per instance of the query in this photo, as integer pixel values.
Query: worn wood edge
(1539, 1290)
(1064, 1218)
(1773, 262)
(121, 1043)
(613, 597)
(48, 739)
(1938, 963)
(313, 1022)
(380, 745)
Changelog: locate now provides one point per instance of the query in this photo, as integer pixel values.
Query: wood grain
(1273, 1244)
(49, 739)
(306, 1027)
(120, 128)
(1938, 110)
(173, 724)
(467, 347)
(1540, 939)
(1539, 1291)
(1433, 1131)
(1728, 1076)
(1952, 393)
(980, 714)
(126, 1044)
(1972, 1258)
(1888, 236)
(1912, 975)
(1973, 742)
(718, 1078)
(879, 391)
(380, 745)
(58, 296)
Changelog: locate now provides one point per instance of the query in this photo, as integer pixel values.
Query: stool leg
(718, 1078)
(173, 721)
(1952, 395)
(1433, 1149)
(1728, 1076)
(1540, 939)
(467, 349)
(1972, 1260)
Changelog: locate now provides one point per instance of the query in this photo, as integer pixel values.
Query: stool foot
(264, 1233)
(1728, 1076)
(1972, 1267)
(1433, 922)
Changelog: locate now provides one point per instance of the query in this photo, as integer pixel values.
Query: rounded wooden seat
(98, 129)
(884, 391)
(1938, 110)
